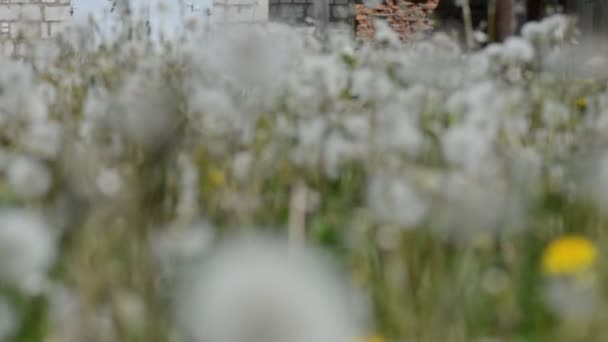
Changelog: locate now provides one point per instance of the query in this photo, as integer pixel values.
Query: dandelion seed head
(146, 114)
(472, 206)
(393, 200)
(253, 289)
(29, 178)
(465, 146)
(27, 247)
(109, 182)
(339, 150)
(44, 139)
(572, 301)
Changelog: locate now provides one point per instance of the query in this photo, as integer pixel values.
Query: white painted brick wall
(239, 11)
(35, 19)
(56, 13)
(43, 19)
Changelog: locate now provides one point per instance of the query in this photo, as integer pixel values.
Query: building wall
(405, 17)
(296, 11)
(239, 11)
(37, 19)
(592, 15)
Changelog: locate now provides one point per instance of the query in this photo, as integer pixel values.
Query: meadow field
(252, 184)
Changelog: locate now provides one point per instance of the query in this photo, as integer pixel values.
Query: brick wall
(296, 11)
(405, 17)
(37, 19)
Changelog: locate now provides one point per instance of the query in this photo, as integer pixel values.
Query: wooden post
(534, 10)
(468, 24)
(492, 20)
(505, 19)
(570, 6)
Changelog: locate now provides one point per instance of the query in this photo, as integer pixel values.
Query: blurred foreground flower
(27, 249)
(29, 178)
(257, 290)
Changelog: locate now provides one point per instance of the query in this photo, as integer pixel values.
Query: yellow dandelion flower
(569, 255)
(217, 177)
(581, 102)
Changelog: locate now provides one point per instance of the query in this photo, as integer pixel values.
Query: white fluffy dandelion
(27, 248)
(29, 178)
(253, 290)
(393, 200)
(109, 182)
(44, 139)
(471, 207)
(146, 112)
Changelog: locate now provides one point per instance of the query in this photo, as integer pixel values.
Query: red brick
(400, 14)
